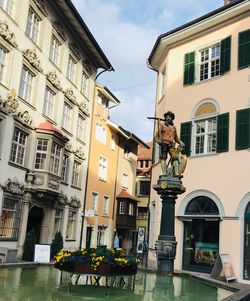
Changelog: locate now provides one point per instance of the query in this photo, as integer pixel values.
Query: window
(65, 165)
(71, 225)
(142, 212)
(106, 205)
(48, 102)
(100, 235)
(55, 158)
(3, 55)
(125, 180)
(205, 136)
(112, 143)
(54, 50)
(84, 84)
(18, 147)
(144, 188)
(58, 220)
(26, 82)
(122, 208)
(210, 62)
(80, 131)
(76, 174)
(244, 49)
(94, 201)
(71, 69)
(7, 5)
(102, 168)
(131, 209)
(41, 154)
(32, 28)
(10, 217)
(100, 133)
(127, 153)
(66, 118)
(101, 100)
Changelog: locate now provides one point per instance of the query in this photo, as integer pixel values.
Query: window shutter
(242, 128)
(189, 68)
(222, 133)
(185, 136)
(244, 49)
(225, 55)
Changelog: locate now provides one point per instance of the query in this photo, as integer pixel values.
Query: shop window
(10, 217)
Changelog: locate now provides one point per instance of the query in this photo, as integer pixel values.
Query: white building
(48, 64)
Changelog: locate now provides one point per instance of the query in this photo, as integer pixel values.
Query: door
(88, 237)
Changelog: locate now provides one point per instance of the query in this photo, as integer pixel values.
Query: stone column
(168, 188)
(24, 220)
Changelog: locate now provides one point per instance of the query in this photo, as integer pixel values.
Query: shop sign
(223, 268)
(42, 253)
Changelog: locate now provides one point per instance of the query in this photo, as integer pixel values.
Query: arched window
(246, 271)
(202, 205)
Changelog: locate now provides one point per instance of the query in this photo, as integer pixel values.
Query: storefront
(201, 234)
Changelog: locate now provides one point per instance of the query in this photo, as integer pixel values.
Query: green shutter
(225, 55)
(222, 133)
(244, 49)
(185, 136)
(189, 68)
(242, 129)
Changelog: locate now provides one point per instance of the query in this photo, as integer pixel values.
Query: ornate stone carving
(11, 104)
(59, 29)
(24, 117)
(6, 34)
(84, 108)
(69, 147)
(165, 249)
(39, 180)
(79, 153)
(14, 186)
(69, 93)
(40, 5)
(75, 49)
(53, 183)
(75, 202)
(63, 199)
(27, 198)
(31, 56)
(54, 80)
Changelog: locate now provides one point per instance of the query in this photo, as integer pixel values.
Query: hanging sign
(223, 268)
(42, 253)
(140, 240)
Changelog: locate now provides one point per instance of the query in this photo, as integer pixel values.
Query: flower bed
(99, 261)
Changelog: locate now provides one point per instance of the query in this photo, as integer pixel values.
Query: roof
(107, 93)
(125, 195)
(145, 153)
(79, 30)
(48, 126)
(192, 23)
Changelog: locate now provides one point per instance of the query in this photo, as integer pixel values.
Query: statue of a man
(167, 137)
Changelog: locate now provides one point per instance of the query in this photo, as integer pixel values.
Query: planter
(65, 266)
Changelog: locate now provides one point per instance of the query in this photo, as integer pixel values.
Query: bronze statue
(167, 137)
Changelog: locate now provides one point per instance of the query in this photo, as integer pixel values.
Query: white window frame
(54, 52)
(100, 133)
(67, 116)
(8, 6)
(55, 158)
(71, 225)
(80, 130)
(102, 168)
(33, 25)
(76, 173)
(122, 208)
(26, 84)
(125, 180)
(94, 201)
(131, 209)
(49, 101)
(65, 168)
(209, 59)
(58, 220)
(84, 83)
(18, 148)
(197, 136)
(43, 154)
(3, 63)
(106, 201)
(71, 69)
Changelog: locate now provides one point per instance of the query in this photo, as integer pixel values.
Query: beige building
(48, 64)
(204, 77)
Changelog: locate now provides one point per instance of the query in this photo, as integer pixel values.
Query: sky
(127, 30)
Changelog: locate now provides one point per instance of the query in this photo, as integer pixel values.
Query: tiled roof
(125, 195)
(48, 126)
(145, 153)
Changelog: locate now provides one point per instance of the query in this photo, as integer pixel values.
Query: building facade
(203, 77)
(49, 61)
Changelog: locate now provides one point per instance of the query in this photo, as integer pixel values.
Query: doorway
(35, 219)
(88, 237)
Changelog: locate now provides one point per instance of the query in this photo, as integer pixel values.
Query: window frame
(94, 201)
(81, 128)
(106, 201)
(49, 103)
(84, 83)
(122, 208)
(76, 174)
(10, 4)
(71, 69)
(72, 220)
(18, 146)
(102, 168)
(46, 152)
(30, 31)
(67, 118)
(100, 133)
(26, 85)
(65, 168)
(55, 158)
(54, 56)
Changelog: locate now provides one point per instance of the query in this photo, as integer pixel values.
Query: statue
(167, 137)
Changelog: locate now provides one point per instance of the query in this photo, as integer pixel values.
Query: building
(143, 176)
(49, 62)
(203, 76)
